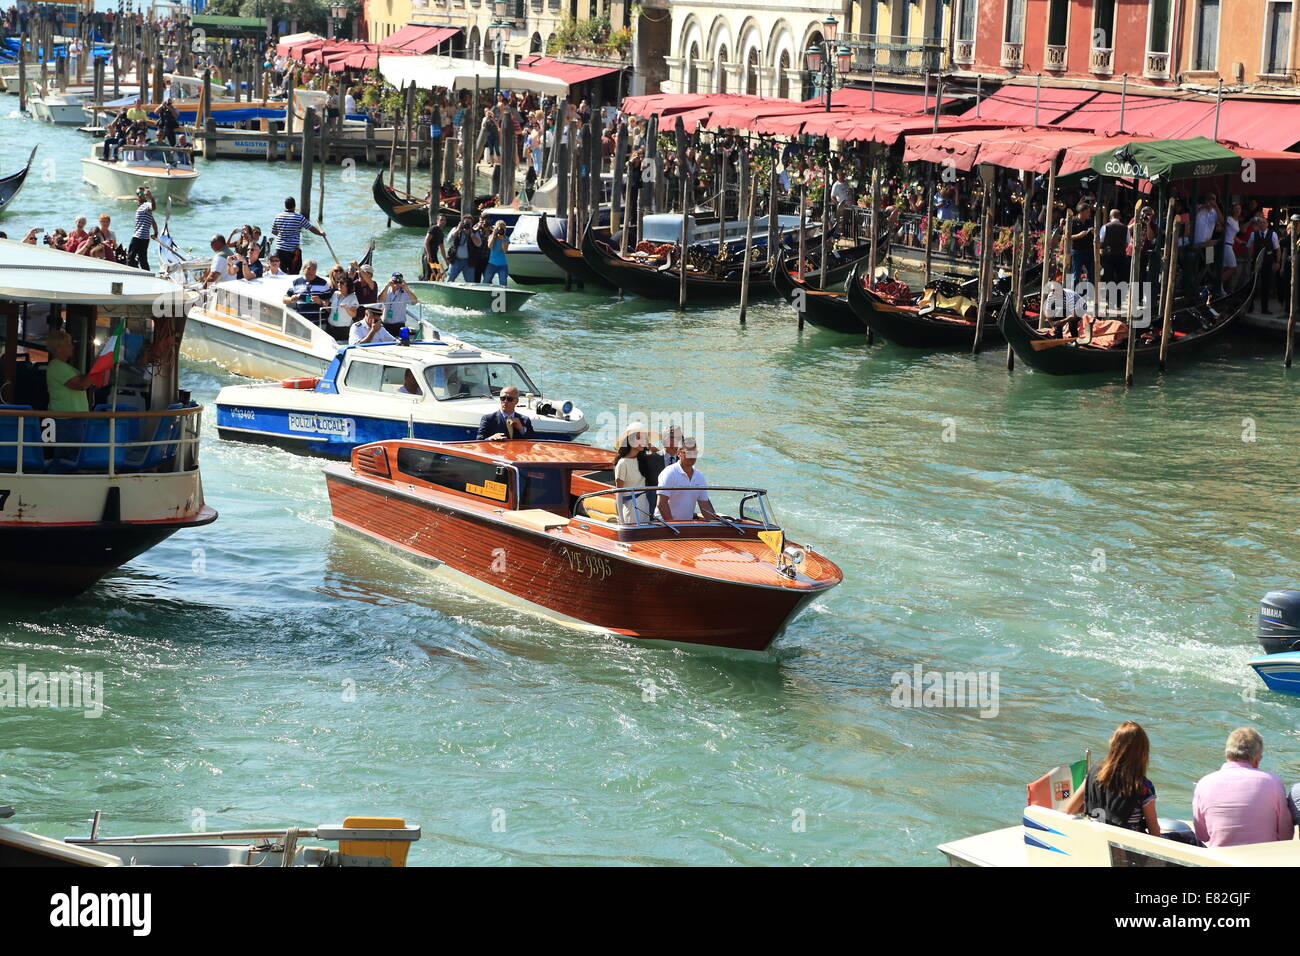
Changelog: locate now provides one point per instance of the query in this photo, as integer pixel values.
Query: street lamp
(820, 58)
(499, 31)
(338, 15)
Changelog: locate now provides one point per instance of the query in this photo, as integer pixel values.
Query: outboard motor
(1279, 621)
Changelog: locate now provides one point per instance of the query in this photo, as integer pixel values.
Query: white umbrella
(428, 72)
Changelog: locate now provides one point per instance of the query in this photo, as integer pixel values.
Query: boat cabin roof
(570, 454)
(40, 274)
(449, 352)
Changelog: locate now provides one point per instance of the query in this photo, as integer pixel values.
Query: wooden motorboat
(1195, 324)
(9, 185)
(538, 523)
(916, 326)
(485, 297)
(826, 309)
(114, 481)
(568, 257)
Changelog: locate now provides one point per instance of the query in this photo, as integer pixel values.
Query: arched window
(722, 69)
(782, 80)
(692, 69)
(535, 44)
(751, 73)
(474, 49)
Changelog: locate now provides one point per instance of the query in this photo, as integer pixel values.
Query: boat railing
(637, 507)
(35, 441)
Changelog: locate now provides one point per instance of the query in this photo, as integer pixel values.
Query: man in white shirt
(219, 270)
(1208, 219)
(680, 505)
(369, 329)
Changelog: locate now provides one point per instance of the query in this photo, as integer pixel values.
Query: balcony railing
(101, 442)
(1057, 57)
(888, 54)
(1013, 55)
(963, 51)
(1099, 61)
(1157, 65)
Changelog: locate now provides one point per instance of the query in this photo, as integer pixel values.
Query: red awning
(889, 128)
(1014, 105)
(901, 101)
(300, 50)
(413, 38)
(1035, 150)
(750, 117)
(571, 73)
(1272, 173)
(286, 48)
(1254, 124)
(671, 104)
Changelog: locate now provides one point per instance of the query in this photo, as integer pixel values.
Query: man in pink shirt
(1239, 803)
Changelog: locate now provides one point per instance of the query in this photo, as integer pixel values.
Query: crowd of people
(1235, 805)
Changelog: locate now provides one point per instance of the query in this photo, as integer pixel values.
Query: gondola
(826, 309)
(410, 211)
(10, 185)
(1203, 320)
(663, 282)
(568, 257)
(909, 326)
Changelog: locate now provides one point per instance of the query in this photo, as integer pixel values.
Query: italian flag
(102, 369)
(1054, 788)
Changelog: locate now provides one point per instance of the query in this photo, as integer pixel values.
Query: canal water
(1097, 552)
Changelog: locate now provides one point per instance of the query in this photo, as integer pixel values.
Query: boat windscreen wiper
(661, 521)
(729, 523)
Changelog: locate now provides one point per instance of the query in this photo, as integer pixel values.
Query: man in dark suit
(506, 423)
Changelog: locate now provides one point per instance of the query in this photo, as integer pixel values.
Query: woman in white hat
(629, 473)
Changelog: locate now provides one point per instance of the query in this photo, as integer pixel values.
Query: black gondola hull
(827, 310)
(568, 258)
(904, 325)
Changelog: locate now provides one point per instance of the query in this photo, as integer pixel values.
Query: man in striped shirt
(137, 254)
(288, 226)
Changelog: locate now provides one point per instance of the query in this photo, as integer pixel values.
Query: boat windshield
(477, 380)
(744, 509)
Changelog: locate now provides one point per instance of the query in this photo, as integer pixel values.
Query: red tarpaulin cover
(571, 73)
(417, 39)
(1014, 105)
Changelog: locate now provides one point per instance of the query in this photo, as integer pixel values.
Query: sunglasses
(509, 398)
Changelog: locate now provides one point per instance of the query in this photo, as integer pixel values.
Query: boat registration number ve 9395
(593, 566)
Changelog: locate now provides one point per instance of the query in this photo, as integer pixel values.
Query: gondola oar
(328, 246)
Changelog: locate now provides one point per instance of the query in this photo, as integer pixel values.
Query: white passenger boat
(436, 390)
(84, 492)
(245, 326)
(166, 170)
(528, 265)
(1048, 837)
(63, 108)
(357, 841)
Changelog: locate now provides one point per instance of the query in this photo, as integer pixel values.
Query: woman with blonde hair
(1118, 792)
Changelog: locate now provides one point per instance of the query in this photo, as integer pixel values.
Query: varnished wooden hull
(601, 591)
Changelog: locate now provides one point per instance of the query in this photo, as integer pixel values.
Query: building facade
(1247, 44)
(754, 48)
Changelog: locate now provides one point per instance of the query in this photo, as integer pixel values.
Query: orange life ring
(299, 382)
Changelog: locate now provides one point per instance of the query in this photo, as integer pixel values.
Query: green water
(268, 669)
